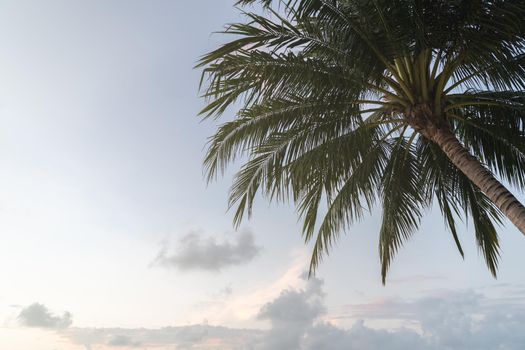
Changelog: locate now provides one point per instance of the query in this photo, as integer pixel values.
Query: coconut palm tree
(344, 104)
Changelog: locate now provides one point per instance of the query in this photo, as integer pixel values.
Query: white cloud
(38, 315)
(451, 320)
(195, 252)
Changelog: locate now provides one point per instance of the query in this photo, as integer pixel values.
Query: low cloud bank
(453, 320)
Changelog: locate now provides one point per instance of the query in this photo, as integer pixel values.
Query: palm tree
(407, 103)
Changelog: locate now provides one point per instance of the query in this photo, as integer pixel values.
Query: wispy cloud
(194, 251)
(39, 316)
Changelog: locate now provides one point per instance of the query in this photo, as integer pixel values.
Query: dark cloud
(195, 252)
(38, 315)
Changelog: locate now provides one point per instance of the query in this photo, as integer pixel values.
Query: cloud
(296, 323)
(194, 252)
(186, 337)
(245, 305)
(452, 320)
(123, 340)
(360, 337)
(290, 314)
(455, 320)
(295, 306)
(38, 315)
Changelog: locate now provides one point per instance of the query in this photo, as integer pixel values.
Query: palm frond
(402, 202)
(340, 101)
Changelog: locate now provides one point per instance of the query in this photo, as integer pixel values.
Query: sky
(111, 238)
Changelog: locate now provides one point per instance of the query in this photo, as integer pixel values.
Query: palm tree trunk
(481, 176)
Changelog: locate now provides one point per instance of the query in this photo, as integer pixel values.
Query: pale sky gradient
(109, 233)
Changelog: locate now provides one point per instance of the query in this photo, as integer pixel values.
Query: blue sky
(112, 239)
